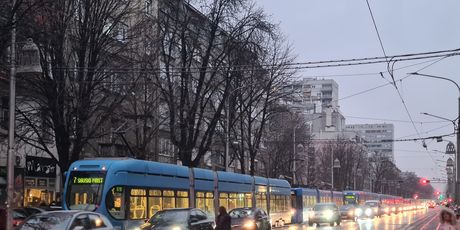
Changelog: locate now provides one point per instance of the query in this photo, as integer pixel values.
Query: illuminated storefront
(39, 181)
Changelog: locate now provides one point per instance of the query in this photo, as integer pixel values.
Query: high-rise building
(314, 94)
(375, 137)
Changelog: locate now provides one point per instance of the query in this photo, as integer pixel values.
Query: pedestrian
(223, 220)
(448, 220)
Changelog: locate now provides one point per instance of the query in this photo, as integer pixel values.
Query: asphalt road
(422, 219)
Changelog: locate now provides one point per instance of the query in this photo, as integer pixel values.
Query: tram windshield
(85, 190)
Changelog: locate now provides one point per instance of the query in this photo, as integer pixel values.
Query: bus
(129, 191)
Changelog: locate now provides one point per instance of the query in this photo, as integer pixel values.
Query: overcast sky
(326, 29)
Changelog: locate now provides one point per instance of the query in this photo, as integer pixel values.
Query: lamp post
(29, 63)
(335, 164)
(457, 173)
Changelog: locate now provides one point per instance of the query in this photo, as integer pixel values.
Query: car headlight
(248, 225)
(387, 210)
(350, 213)
(376, 210)
(393, 209)
(175, 228)
(328, 214)
(358, 212)
(368, 212)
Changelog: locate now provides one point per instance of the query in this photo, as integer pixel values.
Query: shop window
(138, 204)
(115, 202)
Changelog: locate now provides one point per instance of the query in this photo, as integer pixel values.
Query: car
(324, 213)
(431, 204)
(250, 219)
(347, 212)
(386, 210)
(18, 218)
(66, 220)
(29, 211)
(364, 211)
(376, 207)
(179, 218)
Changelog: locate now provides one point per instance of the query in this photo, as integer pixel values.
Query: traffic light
(441, 197)
(424, 181)
(450, 200)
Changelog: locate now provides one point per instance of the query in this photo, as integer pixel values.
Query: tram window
(155, 202)
(115, 202)
(168, 199)
(182, 199)
(205, 202)
(248, 200)
(261, 201)
(138, 204)
(223, 200)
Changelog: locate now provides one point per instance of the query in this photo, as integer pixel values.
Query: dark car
(18, 218)
(347, 212)
(250, 219)
(178, 219)
(324, 213)
(66, 220)
(376, 207)
(29, 211)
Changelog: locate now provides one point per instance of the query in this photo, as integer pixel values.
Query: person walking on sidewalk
(448, 220)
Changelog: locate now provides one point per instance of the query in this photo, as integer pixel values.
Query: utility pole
(457, 173)
(12, 106)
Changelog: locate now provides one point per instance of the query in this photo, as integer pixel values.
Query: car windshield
(168, 218)
(323, 207)
(240, 213)
(84, 191)
(347, 207)
(51, 221)
(372, 204)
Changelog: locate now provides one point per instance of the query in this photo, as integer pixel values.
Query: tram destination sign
(87, 180)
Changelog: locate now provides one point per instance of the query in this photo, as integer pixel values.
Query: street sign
(450, 148)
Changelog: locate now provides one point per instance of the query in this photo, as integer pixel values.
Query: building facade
(376, 137)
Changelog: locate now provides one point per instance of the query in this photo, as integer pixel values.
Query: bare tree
(383, 171)
(196, 69)
(66, 105)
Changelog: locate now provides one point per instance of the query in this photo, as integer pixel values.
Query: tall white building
(314, 94)
(375, 137)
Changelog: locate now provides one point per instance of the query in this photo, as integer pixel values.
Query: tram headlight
(328, 214)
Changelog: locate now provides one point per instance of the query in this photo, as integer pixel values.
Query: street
(425, 219)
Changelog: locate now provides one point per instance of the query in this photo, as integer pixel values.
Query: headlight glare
(249, 225)
(358, 212)
(368, 212)
(328, 214)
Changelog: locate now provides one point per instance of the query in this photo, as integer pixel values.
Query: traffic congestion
(129, 194)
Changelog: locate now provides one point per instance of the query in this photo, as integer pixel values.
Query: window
(81, 221)
(205, 201)
(155, 202)
(168, 199)
(115, 202)
(261, 201)
(223, 200)
(182, 199)
(138, 204)
(248, 200)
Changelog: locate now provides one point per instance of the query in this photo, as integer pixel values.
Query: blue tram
(128, 191)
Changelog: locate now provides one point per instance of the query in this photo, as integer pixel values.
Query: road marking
(426, 224)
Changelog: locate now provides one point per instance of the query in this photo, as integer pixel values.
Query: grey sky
(326, 29)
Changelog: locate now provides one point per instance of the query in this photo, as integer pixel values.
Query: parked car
(29, 211)
(66, 220)
(18, 218)
(180, 218)
(376, 207)
(364, 211)
(324, 213)
(347, 212)
(250, 219)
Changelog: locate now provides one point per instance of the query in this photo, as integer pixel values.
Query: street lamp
(335, 165)
(29, 63)
(457, 176)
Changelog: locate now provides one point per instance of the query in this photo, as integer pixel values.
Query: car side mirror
(78, 228)
(194, 219)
